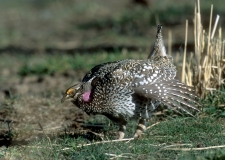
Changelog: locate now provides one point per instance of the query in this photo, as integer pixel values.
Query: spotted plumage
(132, 88)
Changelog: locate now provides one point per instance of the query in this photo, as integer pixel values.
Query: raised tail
(158, 48)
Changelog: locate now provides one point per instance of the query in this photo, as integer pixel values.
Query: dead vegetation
(204, 69)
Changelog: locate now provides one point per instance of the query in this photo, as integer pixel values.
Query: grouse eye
(70, 91)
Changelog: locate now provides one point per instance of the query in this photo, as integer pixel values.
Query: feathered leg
(121, 123)
(140, 128)
(122, 129)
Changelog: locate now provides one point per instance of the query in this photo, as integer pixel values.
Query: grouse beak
(64, 98)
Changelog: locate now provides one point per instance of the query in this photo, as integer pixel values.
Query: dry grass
(205, 67)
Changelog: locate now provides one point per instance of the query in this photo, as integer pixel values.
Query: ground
(45, 47)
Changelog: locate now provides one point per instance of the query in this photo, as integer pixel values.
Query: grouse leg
(140, 128)
(121, 122)
(122, 129)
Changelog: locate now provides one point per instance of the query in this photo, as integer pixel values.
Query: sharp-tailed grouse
(132, 88)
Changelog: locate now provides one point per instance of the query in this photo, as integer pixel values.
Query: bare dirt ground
(31, 107)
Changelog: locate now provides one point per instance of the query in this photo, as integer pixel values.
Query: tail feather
(158, 82)
(158, 48)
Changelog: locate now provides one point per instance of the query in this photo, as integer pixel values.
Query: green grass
(214, 104)
(137, 21)
(178, 132)
(159, 142)
(59, 63)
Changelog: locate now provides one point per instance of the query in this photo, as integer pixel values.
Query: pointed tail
(158, 48)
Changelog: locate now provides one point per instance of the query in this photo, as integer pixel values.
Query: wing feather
(171, 93)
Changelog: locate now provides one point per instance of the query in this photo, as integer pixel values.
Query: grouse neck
(86, 96)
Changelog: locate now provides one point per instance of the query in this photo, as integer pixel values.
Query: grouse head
(72, 93)
(81, 92)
